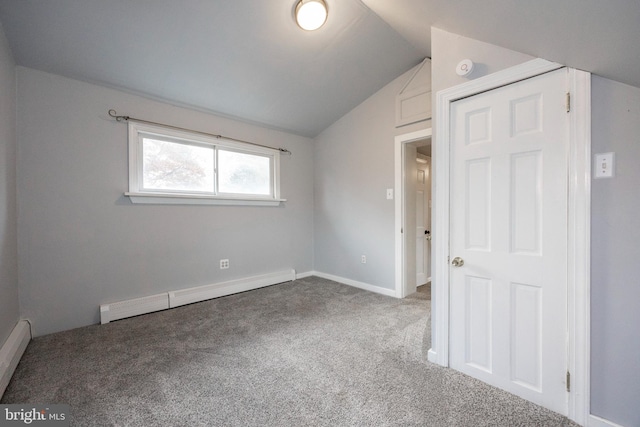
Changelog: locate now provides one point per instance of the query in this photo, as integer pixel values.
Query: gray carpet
(306, 353)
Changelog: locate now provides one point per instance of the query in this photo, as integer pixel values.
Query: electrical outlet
(224, 264)
(363, 259)
(389, 193)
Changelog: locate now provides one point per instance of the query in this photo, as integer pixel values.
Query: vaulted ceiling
(248, 59)
(602, 37)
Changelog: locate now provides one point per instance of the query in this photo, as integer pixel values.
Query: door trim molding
(400, 141)
(579, 245)
(579, 203)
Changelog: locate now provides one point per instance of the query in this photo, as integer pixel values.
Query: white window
(169, 166)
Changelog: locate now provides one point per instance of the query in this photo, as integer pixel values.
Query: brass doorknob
(457, 262)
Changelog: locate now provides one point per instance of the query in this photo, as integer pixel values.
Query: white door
(509, 228)
(423, 228)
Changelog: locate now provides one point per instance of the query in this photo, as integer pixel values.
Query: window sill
(195, 199)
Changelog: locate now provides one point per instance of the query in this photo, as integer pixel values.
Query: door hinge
(568, 381)
(568, 102)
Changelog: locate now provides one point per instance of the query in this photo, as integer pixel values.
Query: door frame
(578, 219)
(400, 262)
(427, 208)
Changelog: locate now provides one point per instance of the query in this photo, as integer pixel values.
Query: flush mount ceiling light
(311, 14)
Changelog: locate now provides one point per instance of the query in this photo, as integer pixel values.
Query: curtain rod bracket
(118, 118)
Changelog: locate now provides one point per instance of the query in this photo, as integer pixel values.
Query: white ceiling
(248, 59)
(599, 36)
(241, 58)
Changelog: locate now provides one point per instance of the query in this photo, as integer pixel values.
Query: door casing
(578, 217)
(424, 165)
(400, 261)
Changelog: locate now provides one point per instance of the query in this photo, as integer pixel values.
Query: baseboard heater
(135, 307)
(12, 351)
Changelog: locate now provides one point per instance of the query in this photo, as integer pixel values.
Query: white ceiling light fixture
(311, 14)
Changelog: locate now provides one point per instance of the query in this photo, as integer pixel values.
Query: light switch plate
(604, 165)
(389, 193)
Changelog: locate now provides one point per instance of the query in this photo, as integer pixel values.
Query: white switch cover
(604, 165)
(389, 193)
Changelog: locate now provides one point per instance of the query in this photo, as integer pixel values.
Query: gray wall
(82, 243)
(9, 307)
(448, 49)
(353, 168)
(615, 251)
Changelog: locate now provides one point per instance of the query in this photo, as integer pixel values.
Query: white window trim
(138, 195)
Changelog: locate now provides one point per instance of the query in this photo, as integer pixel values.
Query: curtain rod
(118, 118)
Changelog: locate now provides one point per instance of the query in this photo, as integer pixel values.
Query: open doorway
(413, 212)
(422, 193)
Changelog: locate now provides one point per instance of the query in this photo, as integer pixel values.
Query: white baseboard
(11, 352)
(133, 307)
(304, 275)
(432, 356)
(203, 293)
(137, 306)
(356, 284)
(594, 421)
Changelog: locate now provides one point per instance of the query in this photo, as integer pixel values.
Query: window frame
(216, 161)
(138, 194)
